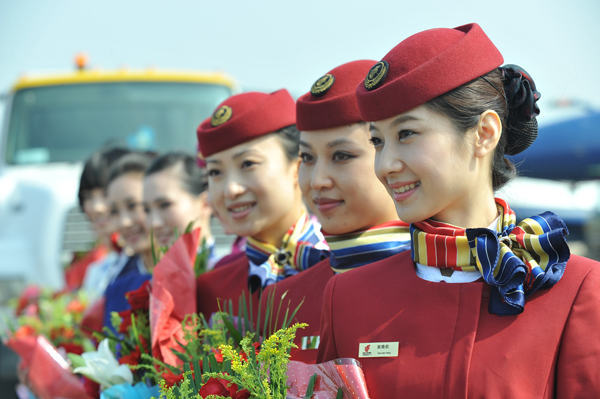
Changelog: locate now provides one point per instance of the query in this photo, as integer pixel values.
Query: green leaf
(198, 374)
(137, 336)
(227, 367)
(293, 314)
(213, 362)
(76, 360)
(152, 248)
(206, 365)
(340, 394)
(188, 376)
(189, 227)
(235, 334)
(181, 356)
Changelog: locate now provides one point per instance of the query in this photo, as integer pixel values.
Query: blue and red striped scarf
(349, 251)
(302, 247)
(516, 259)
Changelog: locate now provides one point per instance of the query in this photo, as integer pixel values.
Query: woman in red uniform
(482, 307)
(338, 183)
(251, 149)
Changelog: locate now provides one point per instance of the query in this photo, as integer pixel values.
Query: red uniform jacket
(220, 285)
(452, 347)
(309, 286)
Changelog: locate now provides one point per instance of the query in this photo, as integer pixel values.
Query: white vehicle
(52, 124)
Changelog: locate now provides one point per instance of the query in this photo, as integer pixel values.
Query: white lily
(102, 367)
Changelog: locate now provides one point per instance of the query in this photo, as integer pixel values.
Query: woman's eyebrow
(337, 142)
(402, 119)
(304, 144)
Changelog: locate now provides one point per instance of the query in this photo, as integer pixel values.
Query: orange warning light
(81, 61)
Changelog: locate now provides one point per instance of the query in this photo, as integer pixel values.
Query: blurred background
(149, 72)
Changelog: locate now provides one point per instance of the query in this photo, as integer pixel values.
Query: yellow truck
(52, 123)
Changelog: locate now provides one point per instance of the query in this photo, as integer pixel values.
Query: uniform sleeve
(578, 365)
(327, 350)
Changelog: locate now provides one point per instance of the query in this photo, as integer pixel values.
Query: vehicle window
(68, 123)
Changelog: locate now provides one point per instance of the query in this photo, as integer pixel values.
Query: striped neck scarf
(302, 247)
(349, 251)
(516, 259)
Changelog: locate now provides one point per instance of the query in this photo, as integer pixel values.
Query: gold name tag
(378, 349)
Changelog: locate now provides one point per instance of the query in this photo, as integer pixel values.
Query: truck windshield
(68, 123)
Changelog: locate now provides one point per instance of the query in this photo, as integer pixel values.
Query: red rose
(215, 387)
(133, 358)
(243, 394)
(72, 348)
(126, 321)
(92, 388)
(171, 379)
(139, 299)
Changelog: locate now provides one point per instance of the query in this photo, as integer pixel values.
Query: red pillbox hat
(423, 67)
(331, 102)
(244, 117)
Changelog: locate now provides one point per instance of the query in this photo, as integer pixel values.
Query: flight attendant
(339, 184)
(175, 196)
(124, 192)
(251, 149)
(482, 306)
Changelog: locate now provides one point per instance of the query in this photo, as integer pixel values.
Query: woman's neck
(274, 235)
(474, 211)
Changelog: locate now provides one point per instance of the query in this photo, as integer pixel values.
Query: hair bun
(521, 134)
(521, 97)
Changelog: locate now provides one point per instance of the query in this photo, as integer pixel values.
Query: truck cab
(53, 123)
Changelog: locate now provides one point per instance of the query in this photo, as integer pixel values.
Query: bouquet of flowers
(147, 331)
(173, 296)
(45, 371)
(56, 315)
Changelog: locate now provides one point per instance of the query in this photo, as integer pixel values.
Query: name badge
(378, 349)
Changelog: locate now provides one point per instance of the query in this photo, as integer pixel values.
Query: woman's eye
(164, 205)
(247, 164)
(146, 210)
(214, 172)
(342, 156)
(132, 206)
(376, 141)
(306, 157)
(402, 134)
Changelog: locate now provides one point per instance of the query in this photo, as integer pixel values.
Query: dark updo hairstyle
(515, 106)
(134, 162)
(290, 139)
(96, 170)
(193, 179)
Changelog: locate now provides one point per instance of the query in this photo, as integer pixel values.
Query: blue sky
(267, 45)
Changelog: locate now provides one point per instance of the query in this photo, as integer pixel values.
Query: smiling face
(433, 171)
(124, 196)
(338, 181)
(170, 207)
(254, 188)
(95, 207)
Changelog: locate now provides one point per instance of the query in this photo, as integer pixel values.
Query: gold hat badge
(376, 75)
(322, 84)
(221, 115)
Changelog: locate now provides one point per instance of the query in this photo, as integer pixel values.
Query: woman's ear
(488, 133)
(296, 170)
(205, 205)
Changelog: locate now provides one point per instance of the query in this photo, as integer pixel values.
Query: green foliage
(262, 374)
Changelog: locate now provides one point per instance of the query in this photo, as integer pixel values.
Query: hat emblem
(322, 84)
(376, 75)
(221, 115)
